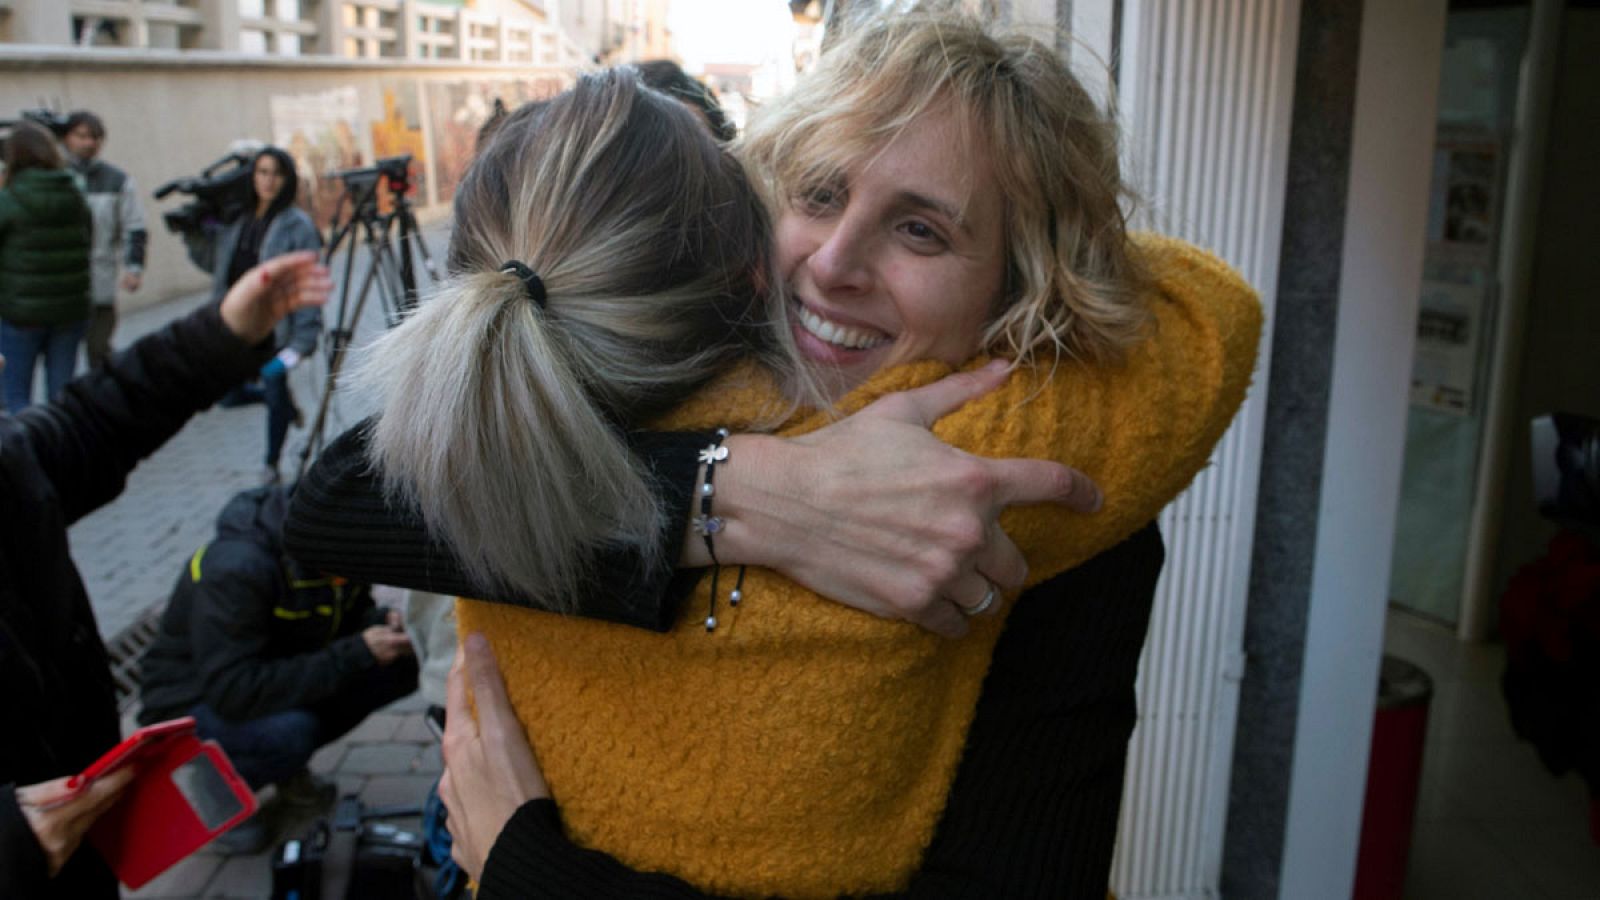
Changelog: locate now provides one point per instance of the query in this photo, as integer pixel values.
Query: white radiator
(1205, 89)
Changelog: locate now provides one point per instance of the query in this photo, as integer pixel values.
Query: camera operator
(271, 659)
(58, 463)
(272, 225)
(118, 228)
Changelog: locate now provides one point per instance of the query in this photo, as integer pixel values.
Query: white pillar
(221, 29)
(1391, 157)
(405, 28)
(41, 22)
(330, 28)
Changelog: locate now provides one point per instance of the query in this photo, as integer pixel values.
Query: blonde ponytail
(500, 450)
(501, 421)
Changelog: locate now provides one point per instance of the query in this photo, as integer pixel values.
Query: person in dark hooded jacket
(272, 660)
(44, 265)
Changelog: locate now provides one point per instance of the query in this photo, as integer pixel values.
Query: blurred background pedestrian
(117, 230)
(44, 265)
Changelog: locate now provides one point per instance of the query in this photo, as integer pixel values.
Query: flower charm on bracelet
(713, 454)
(707, 525)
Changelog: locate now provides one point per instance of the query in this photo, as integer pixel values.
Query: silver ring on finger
(982, 606)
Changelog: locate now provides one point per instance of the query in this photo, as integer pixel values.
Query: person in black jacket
(59, 462)
(272, 660)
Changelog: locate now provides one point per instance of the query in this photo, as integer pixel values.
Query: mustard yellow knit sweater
(805, 748)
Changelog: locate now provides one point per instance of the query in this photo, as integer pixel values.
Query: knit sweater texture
(806, 748)
(1033, 809)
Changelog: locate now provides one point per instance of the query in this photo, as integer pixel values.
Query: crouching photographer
(272, 660)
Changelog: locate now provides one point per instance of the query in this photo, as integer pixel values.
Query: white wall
(167, 114)
(1391, 157)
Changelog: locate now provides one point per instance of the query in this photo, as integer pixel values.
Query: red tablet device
(185, 793)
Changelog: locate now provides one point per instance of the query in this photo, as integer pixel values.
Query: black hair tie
(530, 280)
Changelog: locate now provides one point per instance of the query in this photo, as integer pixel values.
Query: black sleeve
(230, 630)
(340, 523)
(532, 858)
(106, 421)
(137, 239)
(1033, 809)
(23, 867)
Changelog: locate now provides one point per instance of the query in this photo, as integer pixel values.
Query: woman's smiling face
(901, 259)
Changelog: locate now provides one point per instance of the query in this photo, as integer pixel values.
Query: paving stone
(382, 759)
(188, 878)
(242, 878)
(396, 790)
(413, 702)
(350, 784)
(376, 728)
(414, 729)
(327, 759)
(432, 760)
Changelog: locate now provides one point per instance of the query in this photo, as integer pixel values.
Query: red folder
(185, 793)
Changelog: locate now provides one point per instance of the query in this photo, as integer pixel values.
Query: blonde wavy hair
(501, 420)
(1073, 281)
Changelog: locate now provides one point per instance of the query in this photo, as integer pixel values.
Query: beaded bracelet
(707, 525)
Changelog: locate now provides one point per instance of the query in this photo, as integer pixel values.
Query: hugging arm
(340, 522)
(876, 511)
(900, 509)
(920, 536)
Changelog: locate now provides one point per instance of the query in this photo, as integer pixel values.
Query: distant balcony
(399, 30)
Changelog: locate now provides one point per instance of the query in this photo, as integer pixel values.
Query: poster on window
(457, 109)
(1450, 323)
(398, 133)
(321, 131)
(1464, 207)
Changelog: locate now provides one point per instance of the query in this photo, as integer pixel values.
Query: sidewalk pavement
(131, 552)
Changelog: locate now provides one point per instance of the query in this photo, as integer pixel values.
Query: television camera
(221, 193)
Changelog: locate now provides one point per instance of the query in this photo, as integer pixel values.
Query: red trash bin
(1394, 774)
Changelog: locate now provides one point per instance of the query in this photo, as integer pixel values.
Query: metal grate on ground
(125, 651)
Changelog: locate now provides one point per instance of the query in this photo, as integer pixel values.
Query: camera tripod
(394, 245)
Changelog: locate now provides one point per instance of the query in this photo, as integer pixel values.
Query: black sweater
(59, 462)
(1033, 810)
(339, 523)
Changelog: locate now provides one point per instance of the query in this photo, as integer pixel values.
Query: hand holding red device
(185, 792)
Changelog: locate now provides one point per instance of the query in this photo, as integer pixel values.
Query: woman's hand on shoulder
(876, 513)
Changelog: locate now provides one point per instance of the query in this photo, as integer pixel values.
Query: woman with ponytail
(608, 260)
(781, 742)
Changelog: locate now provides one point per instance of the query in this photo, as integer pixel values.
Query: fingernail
(477, 642)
